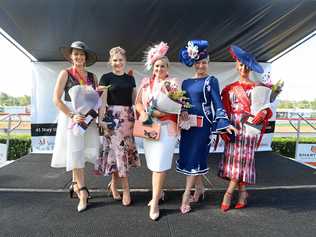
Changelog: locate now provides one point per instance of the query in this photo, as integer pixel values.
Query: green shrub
(286, 145)
(19, 145)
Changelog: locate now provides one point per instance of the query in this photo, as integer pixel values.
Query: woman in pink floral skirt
(119, 152)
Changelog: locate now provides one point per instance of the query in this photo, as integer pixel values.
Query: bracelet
(71, 115)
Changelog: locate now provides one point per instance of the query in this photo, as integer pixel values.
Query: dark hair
(85, 53)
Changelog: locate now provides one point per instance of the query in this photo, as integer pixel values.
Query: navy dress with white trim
(195, 143)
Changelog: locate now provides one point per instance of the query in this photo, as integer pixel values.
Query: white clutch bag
(193, 121)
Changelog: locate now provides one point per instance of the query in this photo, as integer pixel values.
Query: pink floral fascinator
(154, 53)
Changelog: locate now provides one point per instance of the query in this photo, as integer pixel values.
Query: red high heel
(240, 205)
(225, 207)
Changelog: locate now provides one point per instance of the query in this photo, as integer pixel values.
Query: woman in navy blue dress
(204, 95)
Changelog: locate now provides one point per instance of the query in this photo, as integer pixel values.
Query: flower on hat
(193, 50)
(154, 53)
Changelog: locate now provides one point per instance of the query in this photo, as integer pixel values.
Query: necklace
(82, 80)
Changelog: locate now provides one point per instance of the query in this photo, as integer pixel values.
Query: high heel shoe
(226, 207)
(72, 190)
(126, 204)
(185, 205)
(243, 204)
(83, 207)
(152, 214)
(199, 195)
(109, 191)
(162, 198)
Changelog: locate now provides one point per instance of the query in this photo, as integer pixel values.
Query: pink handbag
(151, 132)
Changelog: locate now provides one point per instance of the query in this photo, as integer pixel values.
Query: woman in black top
(71, 150)
(117, 118)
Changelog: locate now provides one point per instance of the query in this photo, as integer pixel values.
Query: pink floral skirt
(118, 153)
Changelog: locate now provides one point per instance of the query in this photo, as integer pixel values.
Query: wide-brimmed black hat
(91, 57)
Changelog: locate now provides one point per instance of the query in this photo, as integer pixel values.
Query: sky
(16, 78)
(297, 69)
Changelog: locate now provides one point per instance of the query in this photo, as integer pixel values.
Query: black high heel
(71, 190)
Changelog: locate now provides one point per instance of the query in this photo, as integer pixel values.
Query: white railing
(9, 128)
(298, 129)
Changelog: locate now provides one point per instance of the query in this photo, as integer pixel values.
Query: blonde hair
(165, 59)
(117, 50)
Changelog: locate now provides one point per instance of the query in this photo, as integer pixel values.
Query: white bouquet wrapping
(85, 101)
(165, 104)
(260, 99)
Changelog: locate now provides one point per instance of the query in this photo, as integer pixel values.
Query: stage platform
(34, 202)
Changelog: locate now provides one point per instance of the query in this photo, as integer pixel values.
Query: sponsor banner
(43, 129)
(44, 112)
(306, 153)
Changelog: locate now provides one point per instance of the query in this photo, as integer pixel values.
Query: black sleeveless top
(71, 81)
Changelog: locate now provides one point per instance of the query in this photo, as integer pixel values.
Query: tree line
(302, 104)
(7, 100)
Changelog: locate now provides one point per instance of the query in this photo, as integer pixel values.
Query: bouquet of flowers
(177, 95)
(276, 90)
(171, 100)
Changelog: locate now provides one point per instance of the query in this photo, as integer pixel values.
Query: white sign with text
(306, 153)
(3, 152)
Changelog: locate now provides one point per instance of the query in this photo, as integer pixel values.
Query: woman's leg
(113, 186)
(242, 200)
(199, 189)
(158, 179)
(185, 204)
(126, 201)
(75, 184)
(228, 195)
(83, 194)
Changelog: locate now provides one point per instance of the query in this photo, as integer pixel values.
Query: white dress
(159, 154)
(73, 151)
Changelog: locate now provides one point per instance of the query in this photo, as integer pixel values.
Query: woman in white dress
(72, 150)
(158, 153)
